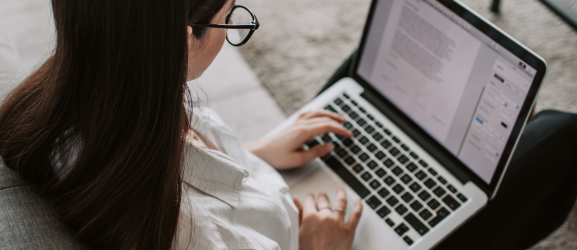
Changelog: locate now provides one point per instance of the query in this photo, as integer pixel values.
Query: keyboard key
(425, 214)
(330, 108)
(406, 179)
(423, 163)
(373, 202)
(354, 103)
(442, 180)
(380, 172)
(416, 205)
(439, 192)
(342, 153)
(349, 178)
(356, 133)
(390, 222)
(386, 144)
(416, 224)
(434, 204)
(397, 171)
(430, 183)
(346, 108)
(407, 197)
(452, 189)
(401, 209)
(389, 163)
(401, 229)
(384, 211)
(358, 168)
(405, 147)
(394, 151)
(375, 184)
(383, 192)
(350, 160)
(433, 172)
(312, 143)
(327, 138)
(361, 122)
(363, 140)
(415, 156)
(387, 132)
(403, 159)
(415, 187)
(369, 129)
(380, 155)
(421, 175)
(408, 240)
(371, 117)
(364, 157)
(355, 149)
(347, 142)
(462, 197)
(398, 189)
(347, 125)
(338, 101)
(441, 214)
(412, 167)
(372, 147)
(372, 164)
(451, 203)
(396, 139)
(362, 110)
(380, 125)
(392, 201)
(346, 96)
(424, 195)
(389, 180)
(377, 136)
(366, 176)
(353, 115)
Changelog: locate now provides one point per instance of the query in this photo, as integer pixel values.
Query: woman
(108, 131)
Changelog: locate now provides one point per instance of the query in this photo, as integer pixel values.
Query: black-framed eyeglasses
(240, 25)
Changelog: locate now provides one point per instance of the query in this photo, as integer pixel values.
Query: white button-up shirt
(232, 199)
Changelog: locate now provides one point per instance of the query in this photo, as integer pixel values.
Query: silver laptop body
(437, 101)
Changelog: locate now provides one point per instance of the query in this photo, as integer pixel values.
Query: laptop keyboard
(387, 174)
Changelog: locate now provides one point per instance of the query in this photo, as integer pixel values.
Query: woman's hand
(285, 149)
(323, 228)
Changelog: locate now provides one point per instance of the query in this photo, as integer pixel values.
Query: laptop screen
(456, 83)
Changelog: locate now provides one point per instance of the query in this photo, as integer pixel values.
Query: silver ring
(340, 210)
(321, 208)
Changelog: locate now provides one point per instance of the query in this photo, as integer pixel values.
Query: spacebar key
(349, 178)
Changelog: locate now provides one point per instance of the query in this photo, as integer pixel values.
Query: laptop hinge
(412, 131)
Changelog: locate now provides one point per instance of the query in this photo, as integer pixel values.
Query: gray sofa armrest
(27, 221)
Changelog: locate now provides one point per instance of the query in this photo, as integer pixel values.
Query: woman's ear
(189, 30)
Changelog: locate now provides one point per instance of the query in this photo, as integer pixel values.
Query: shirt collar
(213, 173)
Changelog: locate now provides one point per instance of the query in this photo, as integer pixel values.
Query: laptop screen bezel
(437, 150)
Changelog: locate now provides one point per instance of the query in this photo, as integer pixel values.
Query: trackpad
(372, 232)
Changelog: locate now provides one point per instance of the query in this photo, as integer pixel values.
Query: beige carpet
(302, 42)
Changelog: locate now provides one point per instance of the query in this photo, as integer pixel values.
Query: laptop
(437, 100)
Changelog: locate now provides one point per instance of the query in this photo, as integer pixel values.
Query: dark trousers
(537, 193)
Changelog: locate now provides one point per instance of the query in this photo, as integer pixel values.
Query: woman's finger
(355, 215)
(317, 151)
(323, 204)
(320, 128)
(341, 205)
(323, 113)
(300, 208)
(309, 205)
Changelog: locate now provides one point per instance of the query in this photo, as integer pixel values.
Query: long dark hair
(114, 88)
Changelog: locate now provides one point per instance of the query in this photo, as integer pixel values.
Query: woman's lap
(538, 191)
